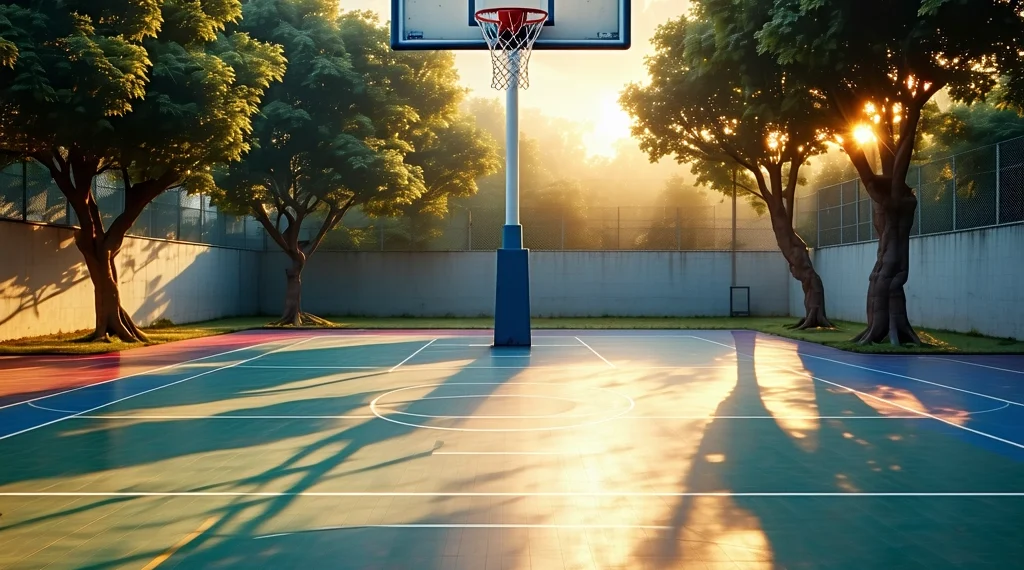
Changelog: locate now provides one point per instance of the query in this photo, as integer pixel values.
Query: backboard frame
(399, 41)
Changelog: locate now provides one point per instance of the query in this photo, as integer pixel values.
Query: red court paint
(27, 377)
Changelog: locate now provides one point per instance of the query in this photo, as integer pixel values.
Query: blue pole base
(512, 298)
(512, 237)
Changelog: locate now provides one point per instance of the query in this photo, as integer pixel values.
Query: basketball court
(591, 449)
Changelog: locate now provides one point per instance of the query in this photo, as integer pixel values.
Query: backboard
(449, 24)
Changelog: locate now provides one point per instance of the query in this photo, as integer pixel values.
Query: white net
(510, 34)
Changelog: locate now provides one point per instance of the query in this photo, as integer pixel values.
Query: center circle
(612, 414)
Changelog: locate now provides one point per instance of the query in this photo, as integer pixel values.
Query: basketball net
(510, 34)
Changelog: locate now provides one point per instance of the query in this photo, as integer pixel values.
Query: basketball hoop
(510, 33)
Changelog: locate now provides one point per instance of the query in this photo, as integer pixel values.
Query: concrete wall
(958, 281)
(562, 283)
(45, 288)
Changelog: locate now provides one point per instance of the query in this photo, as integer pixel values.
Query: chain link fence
(596, 229)
(979, 188)
(27, 193)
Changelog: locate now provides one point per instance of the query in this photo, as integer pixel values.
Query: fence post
(856, 210)
(954, 192)
(679, 230)
(920, 202)
(382, 222)
(24, 190)
(469, 230)
(561, 217)
(998, 176)
(618, 227)
(177, 224)
(817, 225)
(842, 225)
(202, 216)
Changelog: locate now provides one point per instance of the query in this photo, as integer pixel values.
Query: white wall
(562, 283)
(958, 281)
(45, 288)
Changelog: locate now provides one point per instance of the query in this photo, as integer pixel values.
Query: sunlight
(863, 134)
(609, 126)
(787, 390)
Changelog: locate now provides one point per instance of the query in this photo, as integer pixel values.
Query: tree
(964, 127)
(686, 220)
(878, 63)
(352, 125)
(453, 156)
(713, 100)
(152, 91)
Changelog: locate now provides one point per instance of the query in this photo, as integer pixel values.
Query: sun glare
(863, 134)
(610, 124)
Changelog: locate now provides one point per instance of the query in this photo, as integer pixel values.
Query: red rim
(533, 16)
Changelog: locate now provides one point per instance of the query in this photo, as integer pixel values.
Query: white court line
(872, 396)
(612, 494)
(979, 394)
(141, 373)
(595, 352)
(149, 417)
(478, 526)
(972, 364)
(35, 427)
(517, 452)
(408, 358)
(272, 366)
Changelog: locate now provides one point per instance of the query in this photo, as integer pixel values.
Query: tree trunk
(293, 314)
(111, 318)
(887, 301)
(794, 250)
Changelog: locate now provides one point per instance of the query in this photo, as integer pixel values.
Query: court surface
(430, 449)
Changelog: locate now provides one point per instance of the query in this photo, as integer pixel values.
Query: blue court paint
(512, 293)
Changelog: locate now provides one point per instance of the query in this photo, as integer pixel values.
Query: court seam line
(939, 358)
(182, 543)
(595, 352)
(51, 422)
(911, 410)
(408, 358)
(979, 394)
(368, 494)
(143, 373)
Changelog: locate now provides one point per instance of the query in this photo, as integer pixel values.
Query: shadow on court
(838, 456)
(97, 446)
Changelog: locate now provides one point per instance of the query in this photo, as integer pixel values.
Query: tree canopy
(352, 125)
(157, 92)
(716, 102)
(878, 64)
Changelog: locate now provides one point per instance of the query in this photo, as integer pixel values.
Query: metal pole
(998, 174)
(954, 191)
(618, 227)
(842, 225)
(817, 224)
(512, 150)
(562, 218)
(921, 203)
(733, 227)
(469, 229)
(24, 190)
(679, 230)
(177, 226)
(856, 212)
(382, 221)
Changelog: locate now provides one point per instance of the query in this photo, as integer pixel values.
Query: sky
(581, 86)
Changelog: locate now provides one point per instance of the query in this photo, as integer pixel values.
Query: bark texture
(293, 314)
(887, 301)
(73, 173)
(794, 250)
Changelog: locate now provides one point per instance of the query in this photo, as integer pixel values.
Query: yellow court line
(180, 544)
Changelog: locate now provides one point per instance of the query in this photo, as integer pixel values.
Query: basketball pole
(512, 287)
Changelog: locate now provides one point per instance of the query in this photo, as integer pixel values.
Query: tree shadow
(850, 456)
(105, 446)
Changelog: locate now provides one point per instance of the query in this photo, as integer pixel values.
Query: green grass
(938, 342)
